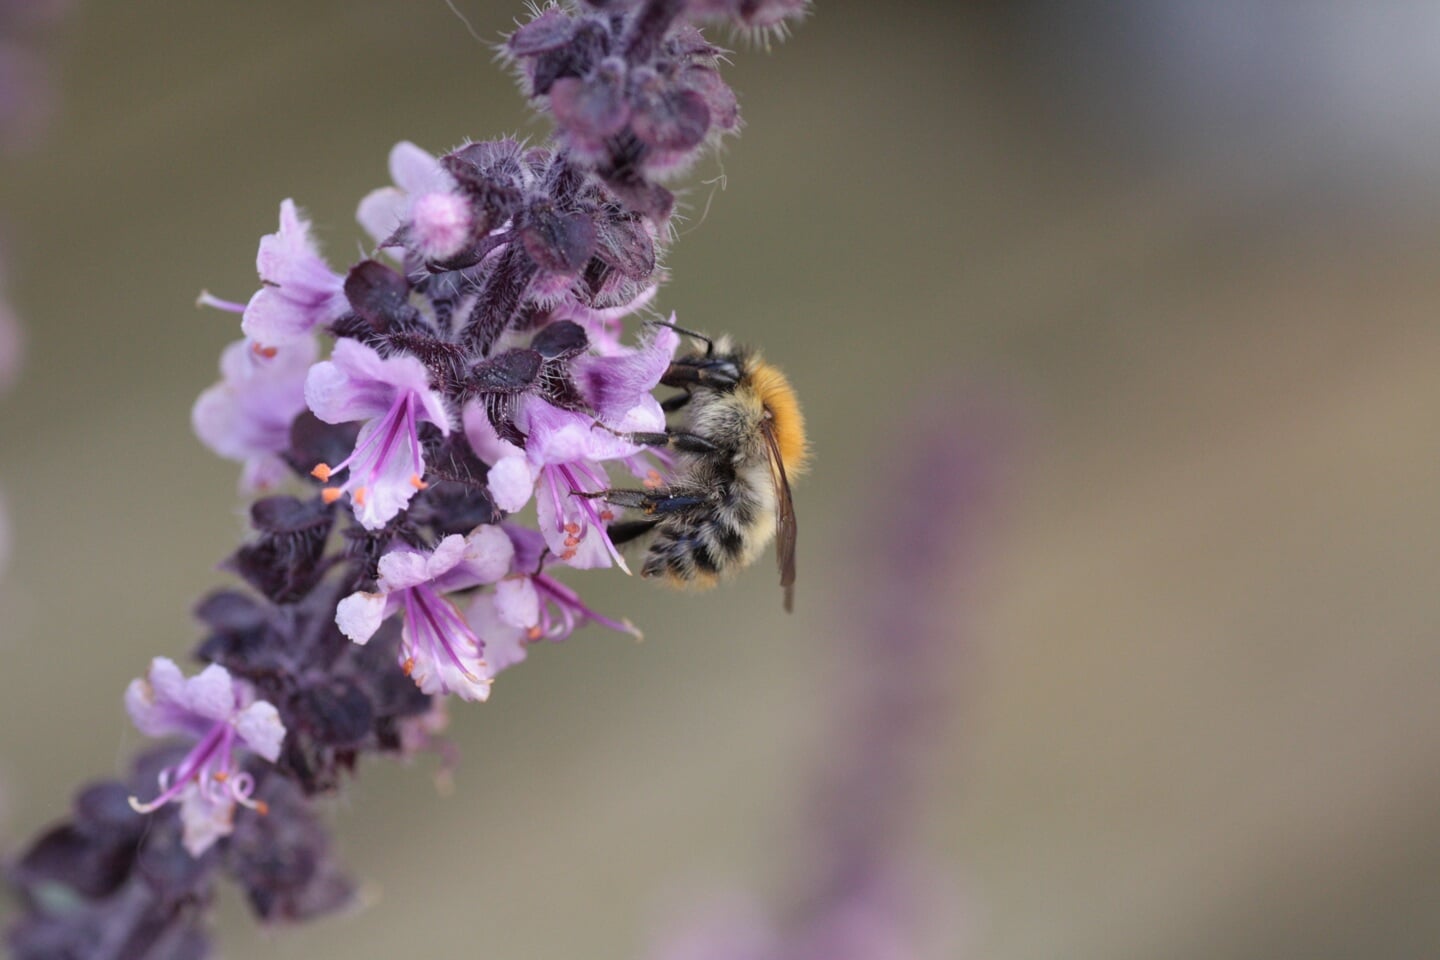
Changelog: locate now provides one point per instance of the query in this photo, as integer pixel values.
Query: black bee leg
(653, 504)
(627, 530)
(671, 404)
(675, 440)
(720, 373)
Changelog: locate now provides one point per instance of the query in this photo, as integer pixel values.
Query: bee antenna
(709, 344)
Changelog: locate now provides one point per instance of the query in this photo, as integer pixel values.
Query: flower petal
(211, 693)
(517, 603)
(259, 727)
(359, 615)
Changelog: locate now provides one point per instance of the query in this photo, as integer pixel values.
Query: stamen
(417, 483)
(206, 299)
(321, 472)
(267, 353)
(358, 496)
(331, 494)
(408, 665)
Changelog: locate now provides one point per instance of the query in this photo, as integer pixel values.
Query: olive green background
(1196, 713)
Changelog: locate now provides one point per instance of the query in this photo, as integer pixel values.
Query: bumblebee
(738, 439)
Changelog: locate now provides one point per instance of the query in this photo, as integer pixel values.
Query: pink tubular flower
(220, 714)
(528, 606)
(299, 290)
(438, 649)
(393, 396)
(247, 415)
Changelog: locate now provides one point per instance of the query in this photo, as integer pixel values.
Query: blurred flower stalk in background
(25, 103)
(475, 363)
(864, 890)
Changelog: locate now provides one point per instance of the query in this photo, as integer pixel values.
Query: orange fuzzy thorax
(779, 398)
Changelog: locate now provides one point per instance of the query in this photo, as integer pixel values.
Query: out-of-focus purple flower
(247, 415)
(393, 396)
(221, 715)
(439, 649)
(298, 289)
(26, 95)
(11, 340)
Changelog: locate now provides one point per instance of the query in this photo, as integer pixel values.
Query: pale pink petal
(205, 817)
(259, 726)
(211, 693)
(517, 602)
(504, 643)
(511, 482)
(359, 615)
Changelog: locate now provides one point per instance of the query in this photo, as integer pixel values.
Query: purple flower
(393, 396)
(247, 415)
(220, 714)
(299, 290)
(528, 606)
(422, 208)
(619, 384)
(439, 650)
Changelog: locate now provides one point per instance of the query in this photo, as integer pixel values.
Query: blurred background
(1186, 253)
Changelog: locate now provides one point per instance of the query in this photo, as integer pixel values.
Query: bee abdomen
(696, 552)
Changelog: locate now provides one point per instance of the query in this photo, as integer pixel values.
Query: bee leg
(720, 374)
(675, 440)
(627, 530)
(671, 404)
(653, 504)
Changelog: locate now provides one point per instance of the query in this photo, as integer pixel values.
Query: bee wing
(785, 528)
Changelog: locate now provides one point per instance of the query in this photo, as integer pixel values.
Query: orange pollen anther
(267, 352)
(330, 494)
(652, 479)
(359, 496)
(534, 633)
(417, 483)
(221, 776)
(262, 808)
(572, 528)
(568, 554)
(607, 515)
(408, 666)
(321, 472)
(572, 541)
